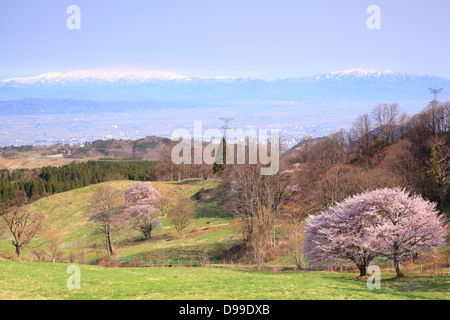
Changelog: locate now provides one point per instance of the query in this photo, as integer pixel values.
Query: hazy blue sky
(256, 38)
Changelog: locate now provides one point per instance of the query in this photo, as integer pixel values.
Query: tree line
(384, 150)
(36, 183)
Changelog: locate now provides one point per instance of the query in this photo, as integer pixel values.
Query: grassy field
(210, 232)
(36, 159)
(31, 280)
(68, 213)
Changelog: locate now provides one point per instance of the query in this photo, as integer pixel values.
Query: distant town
(77, 130)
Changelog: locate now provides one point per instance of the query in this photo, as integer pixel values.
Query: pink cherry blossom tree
(343, 233)
(411, 225)
(142, 209)
(389, 223)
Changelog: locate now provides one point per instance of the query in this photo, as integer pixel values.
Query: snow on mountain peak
(362, 72)
(130, 76)
(105, 75)
(355, 73)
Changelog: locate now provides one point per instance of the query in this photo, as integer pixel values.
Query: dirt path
(23, 162)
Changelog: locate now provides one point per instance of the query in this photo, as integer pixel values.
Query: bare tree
(362, 136)
(22, 223)
(329, 151)
(439, 167)
(436, 118)
(162, 204)
(400, 164)
(181, 214)
(54, 242)
(434, 121)
(256, 201)
(446, 107)
(39, 254)
(387, 118)
(106, 204)
(258, 249)
(294, 234)
(338, 183)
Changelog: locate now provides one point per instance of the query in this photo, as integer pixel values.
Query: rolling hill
(148, 148)
(68, 213)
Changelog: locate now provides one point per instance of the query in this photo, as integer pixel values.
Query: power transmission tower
(226, 125)
(435, 92)
(221, 155)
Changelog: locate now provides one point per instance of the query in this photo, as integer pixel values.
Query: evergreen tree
(221, 157)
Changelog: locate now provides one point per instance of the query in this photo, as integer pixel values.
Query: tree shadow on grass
(212, 205)
(189, 181)
(380, 292)
(391, 288)
(140, 240)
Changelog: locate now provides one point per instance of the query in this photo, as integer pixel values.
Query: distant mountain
(143, 85)
(90, 76)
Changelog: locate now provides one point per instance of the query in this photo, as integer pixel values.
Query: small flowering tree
(387, 222)
(142, 209)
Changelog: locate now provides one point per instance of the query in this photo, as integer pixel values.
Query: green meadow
(33, 280)
(68, 213)
(210, 232)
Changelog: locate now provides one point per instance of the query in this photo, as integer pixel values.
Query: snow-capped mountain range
(362, 74)
(110, 76)
(124, 76)
(100, 104)
(142, 76)
(135, 84)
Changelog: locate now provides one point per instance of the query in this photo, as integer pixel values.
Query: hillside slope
(149, 148)
(68, 214)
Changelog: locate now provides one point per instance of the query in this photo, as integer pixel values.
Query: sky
(237, 38)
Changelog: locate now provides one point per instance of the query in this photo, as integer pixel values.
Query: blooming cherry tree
(411, 225)
(389, 223)
(142, 208)
(343, 233)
